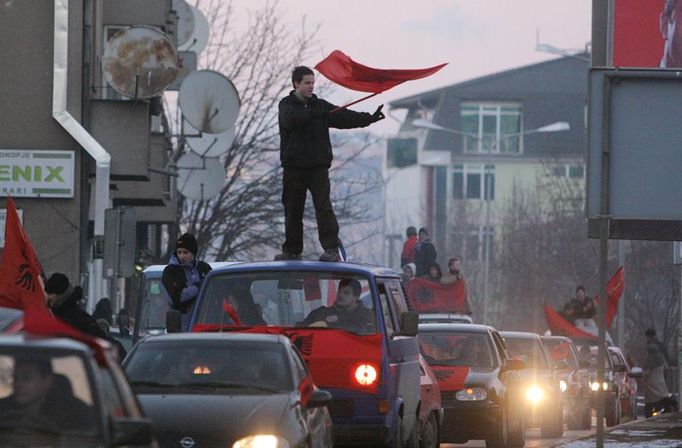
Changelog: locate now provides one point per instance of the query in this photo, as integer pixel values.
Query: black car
(59, 392)
(480, 390)
(228, 390)
(544, 406)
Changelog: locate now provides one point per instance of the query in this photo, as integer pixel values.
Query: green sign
(33, 173)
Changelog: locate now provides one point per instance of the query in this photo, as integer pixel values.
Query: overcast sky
(476, 37)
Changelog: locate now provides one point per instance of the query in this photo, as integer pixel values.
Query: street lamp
(553, 127)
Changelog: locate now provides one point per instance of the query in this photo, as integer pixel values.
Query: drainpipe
(80, 134)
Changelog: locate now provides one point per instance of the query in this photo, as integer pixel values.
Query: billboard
(645, 33)
(36, 173)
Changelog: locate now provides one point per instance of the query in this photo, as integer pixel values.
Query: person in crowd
(454, 275)
(40, 395)
(409, 246)
(425, 253)
(409, 271)
(672, 34)
(306, 156)
(183, 275)
(585, 306)
(434, 273)
(64, 301)
(248, 311)
(103, 310)
(656, 389)
(348, 312)
(123, 322)
(651, 338)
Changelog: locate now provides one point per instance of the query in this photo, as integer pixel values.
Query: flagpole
(354, 102)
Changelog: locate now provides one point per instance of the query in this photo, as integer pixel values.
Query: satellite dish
(185, 21)
(208, 145)
(139, 62)
(199, 178)
(209, 101)
(200, 35)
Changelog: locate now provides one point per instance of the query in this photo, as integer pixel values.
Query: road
(533, 439)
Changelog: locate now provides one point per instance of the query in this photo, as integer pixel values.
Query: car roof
(27, 340)
(158, 268)
(321, 266)
(556, 338)
(207, 337)
(454, 327)
(519, 334)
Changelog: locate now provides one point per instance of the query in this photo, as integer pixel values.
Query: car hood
(454, 378)
(213, 420)
(535, 376)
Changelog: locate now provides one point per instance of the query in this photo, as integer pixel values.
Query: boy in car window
(347, 313)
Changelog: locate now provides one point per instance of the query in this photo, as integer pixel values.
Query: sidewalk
(664, 431)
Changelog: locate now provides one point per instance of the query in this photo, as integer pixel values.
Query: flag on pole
(614, 289)
(341, 69)
(21, 275)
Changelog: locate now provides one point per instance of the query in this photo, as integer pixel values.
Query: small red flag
(21, 275)
(614, 289)
(341, 69)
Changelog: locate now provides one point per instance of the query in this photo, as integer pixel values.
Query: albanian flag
(342, 70)
(21, 275)
(614, 289)
(429, 297)
(560, 326)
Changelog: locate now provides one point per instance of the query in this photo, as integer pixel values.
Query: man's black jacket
(304, 130)
(174, 280)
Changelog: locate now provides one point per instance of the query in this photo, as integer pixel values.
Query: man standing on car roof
(306, 156)
(183, 276)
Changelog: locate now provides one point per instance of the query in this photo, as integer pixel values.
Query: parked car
(587, 349)
(11, 320)
(544, 406)
(57, 392)
(365, 352)
(229, 389)
(430, 408)
(626, 378)
(480, 385)
(444, 318)
(574, 381)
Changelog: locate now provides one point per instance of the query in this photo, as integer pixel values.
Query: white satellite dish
(208, 145)
(209, 101)
(199, 38)
(185, 30)
(139, 62)
(199, 178)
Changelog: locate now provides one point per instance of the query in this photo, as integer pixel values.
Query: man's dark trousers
(297, 181)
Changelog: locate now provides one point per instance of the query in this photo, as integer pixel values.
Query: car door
(403, 350)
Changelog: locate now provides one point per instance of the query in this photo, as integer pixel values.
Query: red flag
(232, 312)
(614, 289)
(342, 70)
(21, 276)
(429, 297)
(560, 326)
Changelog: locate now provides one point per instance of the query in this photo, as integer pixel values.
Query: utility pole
(621, 302)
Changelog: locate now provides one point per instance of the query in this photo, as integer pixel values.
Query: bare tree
(246, 218)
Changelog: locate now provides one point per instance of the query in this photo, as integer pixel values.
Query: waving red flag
(614, 289)
(342, 70)
(21, 276)
(560, 326)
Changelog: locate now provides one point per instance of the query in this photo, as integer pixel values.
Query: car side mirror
(636, 372)
(515, 364)
(560, 365)
(319, 398)
(132, 432)
(409, 323)
(173, 321)
(585, 364)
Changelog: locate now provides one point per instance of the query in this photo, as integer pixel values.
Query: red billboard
(645, 33)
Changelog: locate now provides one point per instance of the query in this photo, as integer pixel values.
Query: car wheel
(428, 435)
(553, 427)
(413, 440)
(614, 413)
(499, 438)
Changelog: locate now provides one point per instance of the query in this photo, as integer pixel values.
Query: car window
(288, 299)
(456, 349)
(154, 304)
(395, 293)
(299, 366)
(560, 351)
(53, 389)
(501, 348)
(386, 309)
(528, 350)
(230, 366)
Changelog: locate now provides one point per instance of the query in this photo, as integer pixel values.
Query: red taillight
(366, 374)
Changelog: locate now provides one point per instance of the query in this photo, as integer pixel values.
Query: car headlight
(594, 386)
(535, 394)
(605, 386)
(563, 386)
(472, 394)
(261, 441)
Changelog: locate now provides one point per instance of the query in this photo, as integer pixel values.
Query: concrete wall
(26, 33)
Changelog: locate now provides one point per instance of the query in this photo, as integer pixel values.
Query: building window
(570, 171)
(471, 244)
(471, 180)
(401, 152)
(491, 127)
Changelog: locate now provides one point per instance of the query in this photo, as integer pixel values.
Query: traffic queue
(307, 354)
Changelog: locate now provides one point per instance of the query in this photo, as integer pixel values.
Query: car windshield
(289, 299)
(528, 350)
(154, 304)
(47, 393)
(228, 366)
(589, 353)
(456, 349)
(560, 351)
